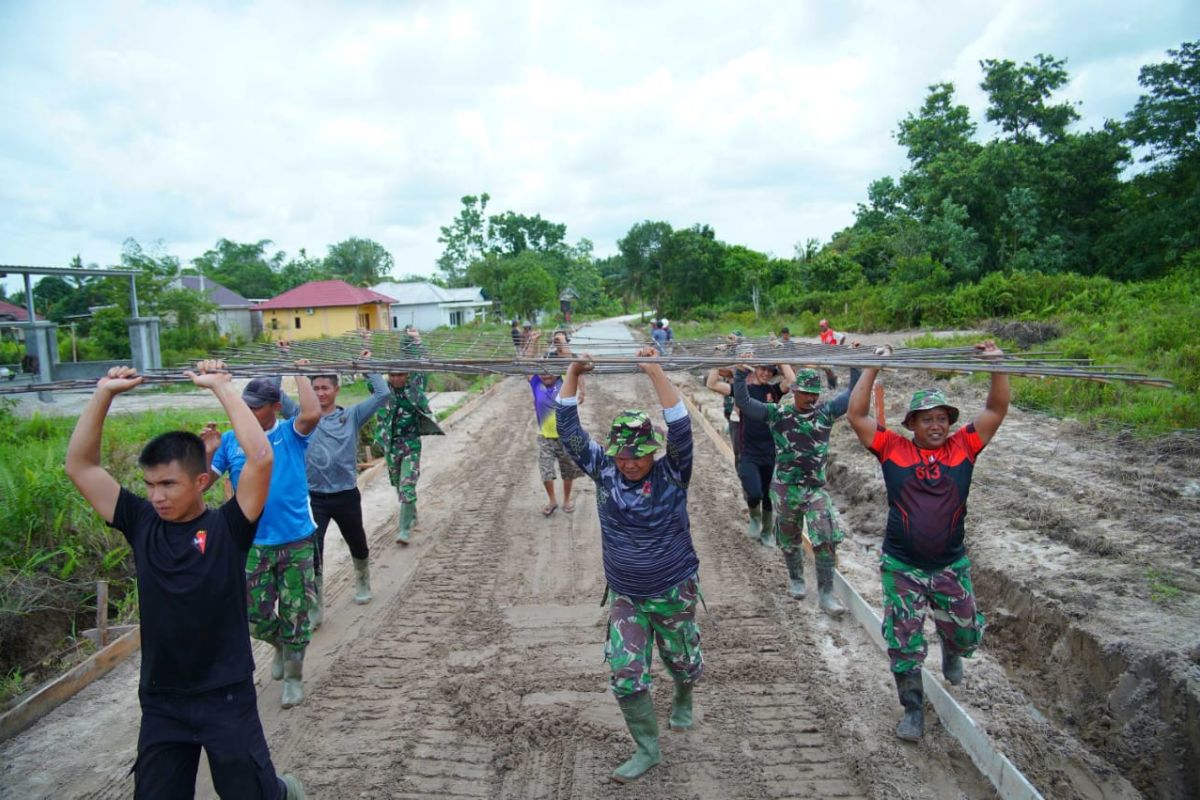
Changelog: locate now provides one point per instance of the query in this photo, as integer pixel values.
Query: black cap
(261, 392)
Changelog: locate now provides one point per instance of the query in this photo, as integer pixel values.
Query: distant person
(280, 573)
(545, 388)
(197, 674)
(650, 563)
(830, 336)
(924, 559)
(669, 335)
(516, 337)
(659, 336)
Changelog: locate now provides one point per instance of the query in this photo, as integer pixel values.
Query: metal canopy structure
(29, 272)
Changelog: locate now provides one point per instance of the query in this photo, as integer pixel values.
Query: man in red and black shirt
(924, 561)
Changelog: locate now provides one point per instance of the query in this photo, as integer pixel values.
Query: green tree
(694, 272)
(1166, 119)
(528, 288)
(511, 233)
(466, 239)
(359, 262)
(641, 250)
(301, 270)
(940, 127)
(1018, 97)
(244, 267)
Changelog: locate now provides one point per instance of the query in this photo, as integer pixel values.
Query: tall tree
(512, 233)
(244, 267)
(359, 262)
(466, 239)
(528, 288)
(1018, 97)
(1167, 118)
(641, 250)
(941, 126)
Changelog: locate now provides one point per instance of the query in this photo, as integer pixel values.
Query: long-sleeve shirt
(801, 439)
(332, 457)
(645, 533)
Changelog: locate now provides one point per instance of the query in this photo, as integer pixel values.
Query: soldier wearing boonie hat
(650, 563)
(801, 431)
(924, 560)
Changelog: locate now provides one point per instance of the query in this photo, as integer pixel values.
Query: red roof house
(11, 313)
(324, 308)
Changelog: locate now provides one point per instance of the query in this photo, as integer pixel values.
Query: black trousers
(225, 723)
(756, 481)
(344, 508)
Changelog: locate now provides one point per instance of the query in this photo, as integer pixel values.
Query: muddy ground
(477, 670)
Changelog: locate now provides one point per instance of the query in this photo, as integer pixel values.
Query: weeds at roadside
(1162, 590)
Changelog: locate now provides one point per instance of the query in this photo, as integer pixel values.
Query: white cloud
(308, 124)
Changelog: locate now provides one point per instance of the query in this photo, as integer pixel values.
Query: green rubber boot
(293, 676)
(643, 726)
(681, 707)
(755, 527)
(408, 512)
(768, 522)
(912, 697)
(277, 662)
(795, 566)
(292, 787)
(952, 666)
(825, 597)
(362, 581)
(318, 610)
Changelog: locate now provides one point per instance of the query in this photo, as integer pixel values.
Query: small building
(12, 313)
(429, 306)
(324, 308)
(235, 316)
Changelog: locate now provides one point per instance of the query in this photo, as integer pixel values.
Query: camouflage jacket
(801, 440)
(401, 418)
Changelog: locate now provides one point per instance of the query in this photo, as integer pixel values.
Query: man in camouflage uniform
(279, 567)
(401, 424)
(801, 433)
(924, 559)
(650, 564)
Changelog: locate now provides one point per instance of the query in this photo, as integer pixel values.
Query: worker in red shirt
(829, 335)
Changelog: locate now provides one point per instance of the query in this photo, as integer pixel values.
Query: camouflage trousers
(281, 576)
(797, 506)
(404, 467)
(907, 591)
(635, 625)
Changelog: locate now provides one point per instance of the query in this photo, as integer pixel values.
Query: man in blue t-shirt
(650, 563)
(197, 682)
(280, 568)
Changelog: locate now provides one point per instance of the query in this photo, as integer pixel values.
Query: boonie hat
(632, 436)
(807, 381)
(261, 392)
(926, 399)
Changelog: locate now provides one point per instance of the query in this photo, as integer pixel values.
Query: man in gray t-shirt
(332, 464)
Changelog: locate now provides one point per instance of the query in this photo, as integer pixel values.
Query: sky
(309, 123)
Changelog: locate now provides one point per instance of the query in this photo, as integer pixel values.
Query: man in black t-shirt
(197, 687)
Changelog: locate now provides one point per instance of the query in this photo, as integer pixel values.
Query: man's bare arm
(97, 486)
(857, 411)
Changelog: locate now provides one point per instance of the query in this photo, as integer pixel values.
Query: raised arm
(255, 479)
(668, 395)
(363, 410)
(995, 409)
(841, 400)
(575, 440)
(99, 488)
(715, 383)
(859, 406)
(310, 409)
(752, 409)
(789, 377)
(574, 376)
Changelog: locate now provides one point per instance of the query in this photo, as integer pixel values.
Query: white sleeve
(675, 412)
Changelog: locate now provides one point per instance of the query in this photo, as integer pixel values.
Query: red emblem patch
(200, 540)
(647, 488)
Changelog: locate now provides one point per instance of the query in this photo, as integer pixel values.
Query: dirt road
(477, 670)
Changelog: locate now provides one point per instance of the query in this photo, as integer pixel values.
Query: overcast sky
(308, 123)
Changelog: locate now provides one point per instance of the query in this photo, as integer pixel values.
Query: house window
(395, 323)
(365, 321)
(274, 323)
(456, 319)
(297, 323)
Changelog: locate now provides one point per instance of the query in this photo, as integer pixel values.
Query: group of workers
(205, 576)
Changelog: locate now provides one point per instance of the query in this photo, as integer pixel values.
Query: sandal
(568, 507)
(548, 510)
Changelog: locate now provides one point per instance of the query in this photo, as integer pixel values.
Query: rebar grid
(493, 352)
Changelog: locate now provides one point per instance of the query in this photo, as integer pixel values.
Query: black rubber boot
(952, 666)
(795, 566)
(912, 697)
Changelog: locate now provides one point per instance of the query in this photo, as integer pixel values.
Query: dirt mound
(1025, 333)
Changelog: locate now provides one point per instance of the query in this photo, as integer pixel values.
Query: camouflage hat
(808, 381)
(925, 399)
(632, 436)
